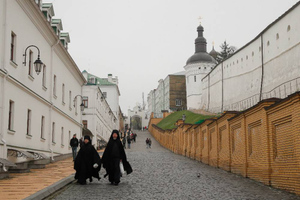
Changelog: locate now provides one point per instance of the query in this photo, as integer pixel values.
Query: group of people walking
(88, 163)
(128, 137)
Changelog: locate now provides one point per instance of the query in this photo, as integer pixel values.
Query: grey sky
(142, 41)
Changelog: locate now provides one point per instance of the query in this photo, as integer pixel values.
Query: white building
(197, 66)
(110, 90)
(137, 118)
(97, 116)
(36, 111)
(169, 96)
(268, 66)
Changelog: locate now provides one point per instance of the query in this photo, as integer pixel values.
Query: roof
(49, 8)
(57, 22)
(179, 73)
(65, 35)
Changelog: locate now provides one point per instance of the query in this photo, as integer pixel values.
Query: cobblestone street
(161, 174)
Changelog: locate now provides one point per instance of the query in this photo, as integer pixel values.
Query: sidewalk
(22, 185)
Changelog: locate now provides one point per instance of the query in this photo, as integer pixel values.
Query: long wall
(260, 143)
(268, 66)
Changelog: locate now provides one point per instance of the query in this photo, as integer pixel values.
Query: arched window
(288, 28)
(277, 36)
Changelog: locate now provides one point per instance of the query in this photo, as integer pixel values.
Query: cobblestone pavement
(161, 174)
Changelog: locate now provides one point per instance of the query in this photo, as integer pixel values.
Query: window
(11, 115)
(54, 85)
(63, 93)
(53, 132)
(288, 28)
(85, 101)
(104, 95)
(30, 63)
(70, 99)
(178, 102)
(44, 76)
(195, 78)
(84, 122)
(62, 136)
(28, 122)
(43, 127)
(13, 47)
(277, 36)
(268, 43)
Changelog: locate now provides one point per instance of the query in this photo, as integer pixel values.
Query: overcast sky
(142, 41)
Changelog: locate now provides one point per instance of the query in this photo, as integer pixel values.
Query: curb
(51, 189)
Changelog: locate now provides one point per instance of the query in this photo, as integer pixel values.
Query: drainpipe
(262, 67)
(51, 98)
(222, 89)
(4, 54)
(208, 88)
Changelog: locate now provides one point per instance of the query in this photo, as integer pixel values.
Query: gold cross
(200, 20)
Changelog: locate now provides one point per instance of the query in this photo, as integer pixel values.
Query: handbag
(122, 168)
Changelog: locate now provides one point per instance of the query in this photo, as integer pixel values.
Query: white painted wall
(194, 88)
(243, 71)
(100, 122)
(26, 21)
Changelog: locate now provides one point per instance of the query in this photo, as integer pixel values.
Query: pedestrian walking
(149, 143)
(80, 142)
(128, 141)
(74, 145)
(114, 154)
(124, 142)
(87, 163)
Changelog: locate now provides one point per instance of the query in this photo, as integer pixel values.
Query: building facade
(170, 95)
(97, 116)
(110, 92)
(37, 114)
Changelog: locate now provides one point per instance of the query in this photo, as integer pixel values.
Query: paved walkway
(160, 174)
(22, 185)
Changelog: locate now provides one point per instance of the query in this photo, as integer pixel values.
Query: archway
(136, 122)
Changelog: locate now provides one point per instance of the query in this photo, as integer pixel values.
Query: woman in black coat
(87, 162)
(114, 154)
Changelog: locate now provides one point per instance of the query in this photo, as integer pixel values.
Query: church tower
(197, 66)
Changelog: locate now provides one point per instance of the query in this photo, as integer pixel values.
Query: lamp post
(81, 105)
(38, 63)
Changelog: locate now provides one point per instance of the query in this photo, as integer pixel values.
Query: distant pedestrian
(128, 141)
(114, 154)
(80, 142)
(74, 145)
(149, 143)
(124, 142)
(87, 163)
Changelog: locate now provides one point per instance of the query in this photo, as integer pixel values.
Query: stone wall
(260, 143)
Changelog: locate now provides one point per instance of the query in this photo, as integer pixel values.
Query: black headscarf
(107, 158)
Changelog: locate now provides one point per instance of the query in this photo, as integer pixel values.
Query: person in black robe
(114, 154)
(87, 163)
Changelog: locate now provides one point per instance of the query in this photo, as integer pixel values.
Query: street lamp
(81, 105)
(38, 63)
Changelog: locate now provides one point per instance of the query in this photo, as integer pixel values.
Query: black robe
(86, 158)
(108, 160)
